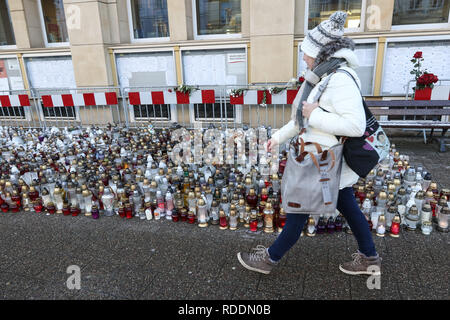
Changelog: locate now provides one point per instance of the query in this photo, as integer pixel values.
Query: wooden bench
(432, 110)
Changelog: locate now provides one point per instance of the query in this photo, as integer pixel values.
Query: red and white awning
(257, 96)
(208, 96)
(18, 100)
(79, 99)
(171, 97)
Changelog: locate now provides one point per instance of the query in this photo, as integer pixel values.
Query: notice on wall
(215, 67)
(51, 72)
(236, 57)
(16, 83)
(146, 69)
(398, 65)
(4, 84)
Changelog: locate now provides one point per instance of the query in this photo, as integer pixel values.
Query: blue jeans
(347, 206)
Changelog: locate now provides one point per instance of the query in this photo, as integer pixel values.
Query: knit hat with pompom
(327, 31)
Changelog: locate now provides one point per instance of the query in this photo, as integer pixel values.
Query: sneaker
(258, 261)
(361, 264)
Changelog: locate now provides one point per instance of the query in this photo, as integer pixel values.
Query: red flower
(427, 79)
(301, 79)
(170, 90)
(418, 55)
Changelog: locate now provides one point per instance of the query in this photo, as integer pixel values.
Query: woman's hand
(308, 108)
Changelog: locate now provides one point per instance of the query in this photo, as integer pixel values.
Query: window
(321, 10)
(149, 19)
(12, 112)
(50, 72)
(6, 30)
(366, 54)
(397, 62)
(54, 22)
(146, 69)
(216, 67)
(10, 75)
(217, 17)
(410, 12)
(153, 111)
(216, 111)
(59, 112)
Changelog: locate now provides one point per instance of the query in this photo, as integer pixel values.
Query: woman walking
(339, 112)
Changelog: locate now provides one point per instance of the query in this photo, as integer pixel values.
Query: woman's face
(309, 61)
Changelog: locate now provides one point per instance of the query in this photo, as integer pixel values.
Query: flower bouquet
(424, 80)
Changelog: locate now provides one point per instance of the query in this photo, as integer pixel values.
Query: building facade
(130, 44)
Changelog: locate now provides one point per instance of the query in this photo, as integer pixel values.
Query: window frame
(238, 108)
(346, 30)
(357, 41)
(13, 56)
(371, 41)
(9, 46)
(212, 48)
(444, 37)
(143, 40)
(211, 36)
(58, 118)
(26, 110)
(173, 115)
(44, 31)
(229, 121)
(406, 27)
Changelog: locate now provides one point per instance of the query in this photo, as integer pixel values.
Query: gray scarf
(324, 64)
(311, 79)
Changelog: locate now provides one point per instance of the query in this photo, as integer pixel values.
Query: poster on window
(3, 73)
(215, 67)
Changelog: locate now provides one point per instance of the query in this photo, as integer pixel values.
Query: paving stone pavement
(134, 259)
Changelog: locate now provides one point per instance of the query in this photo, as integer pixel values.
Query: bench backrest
(409, 107)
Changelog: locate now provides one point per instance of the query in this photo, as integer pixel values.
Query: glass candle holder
(233, 220)
(443, 217)
(191, 217)
(14, 207)
(142, 214)
(183, 214)
(381, 226)
(395, 227)
(202, 213)
(331, 227)
(338, 223)
(268, 218)
(281, 220)
(128, 211)
(311, 227)
(66, 209)
(321, 225)
(121, 211)
(5, 207)
(252, 199)
(51, 208)
(175, 215)
(74, 211)
(223, 220)
(412, 218)
(425, 213)
(214, 213)
(426, 227)
(253, 224)
(95, 212)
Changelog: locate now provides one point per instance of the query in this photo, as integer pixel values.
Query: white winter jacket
(345, 116)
